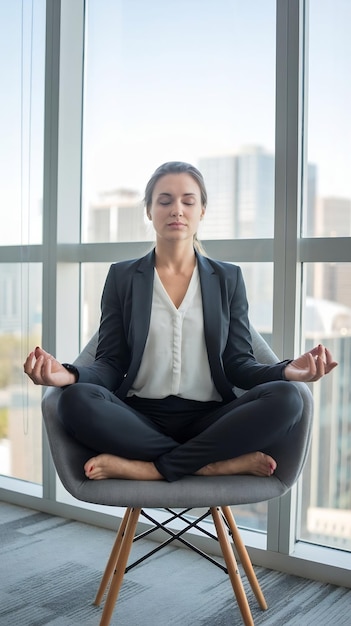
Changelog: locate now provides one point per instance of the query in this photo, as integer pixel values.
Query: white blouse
(175, 360)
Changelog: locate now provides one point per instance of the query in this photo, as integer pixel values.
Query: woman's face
(176, 207)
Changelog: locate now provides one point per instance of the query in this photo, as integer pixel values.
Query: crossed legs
(233, 439)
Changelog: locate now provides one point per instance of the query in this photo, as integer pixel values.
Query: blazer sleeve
(240, 365)
(113, 354)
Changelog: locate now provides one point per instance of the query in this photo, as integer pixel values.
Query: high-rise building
(117, 215)
(254, 193)
(241, 194)
(220, 177)
(333, 281)
(333, 217)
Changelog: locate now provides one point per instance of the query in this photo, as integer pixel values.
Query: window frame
(62, 253)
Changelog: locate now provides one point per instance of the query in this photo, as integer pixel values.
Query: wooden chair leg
(244, 557)
(116, 581)
(111, 564)
(232, 566)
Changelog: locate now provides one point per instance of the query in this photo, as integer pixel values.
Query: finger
(329, 358)
(323, 349)
(32, 368)
(321, 354)
(307, 373)
(41, 352)
(328, 355)
(320, 367)
(46, 370)
(29, 363)
(36, 373)
(330, 367)
(312, 367)
(330, 364)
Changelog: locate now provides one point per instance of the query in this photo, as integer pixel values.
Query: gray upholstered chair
(216, 494)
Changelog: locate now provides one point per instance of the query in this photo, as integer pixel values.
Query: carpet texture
(50, 570)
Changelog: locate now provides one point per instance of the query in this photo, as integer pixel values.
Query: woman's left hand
(310, 366)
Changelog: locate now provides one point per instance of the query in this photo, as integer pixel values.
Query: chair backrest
(69, 457)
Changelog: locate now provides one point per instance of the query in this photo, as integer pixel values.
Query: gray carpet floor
(50, 569)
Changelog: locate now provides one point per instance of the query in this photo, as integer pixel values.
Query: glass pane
(326, 497)
(166, 81)
(20, 331)
(328, 206)
(259, 288)
(22, 56)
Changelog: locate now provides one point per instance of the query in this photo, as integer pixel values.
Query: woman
(174, 339)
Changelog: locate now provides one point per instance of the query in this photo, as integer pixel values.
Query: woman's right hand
(43, 369)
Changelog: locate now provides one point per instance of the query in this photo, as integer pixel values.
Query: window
(22, 50)
(326, 312)
(22, 47)
(165, 82)
(219, 88)
(190, 94)
(326, 496)
(328, 204)
(20, 417)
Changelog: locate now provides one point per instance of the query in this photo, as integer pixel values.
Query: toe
(89, 466)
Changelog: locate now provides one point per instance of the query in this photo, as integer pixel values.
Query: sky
(168, 80)
(176, 75)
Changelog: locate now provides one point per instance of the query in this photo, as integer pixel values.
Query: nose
(177, 209)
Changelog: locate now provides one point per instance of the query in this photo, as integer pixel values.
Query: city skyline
(204, 98)
(320, 505)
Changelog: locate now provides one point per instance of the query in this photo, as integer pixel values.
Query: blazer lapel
(211, 303)
(214, 326)
(142, 291)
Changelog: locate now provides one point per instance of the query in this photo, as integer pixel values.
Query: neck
(178, 258)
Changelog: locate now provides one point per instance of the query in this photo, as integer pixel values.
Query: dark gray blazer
(125, 317)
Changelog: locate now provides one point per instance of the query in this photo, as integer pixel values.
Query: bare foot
(254, 463)
(110, 466)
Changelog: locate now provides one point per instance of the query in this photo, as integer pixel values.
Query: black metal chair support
(176, 536)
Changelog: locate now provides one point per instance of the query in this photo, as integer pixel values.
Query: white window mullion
(62, 189)
(288, 159)
(69, 175)
(52, 72)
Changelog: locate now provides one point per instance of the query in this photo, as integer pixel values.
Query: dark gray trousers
(180, 436)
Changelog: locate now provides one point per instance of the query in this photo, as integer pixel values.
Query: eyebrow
(169, 195)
